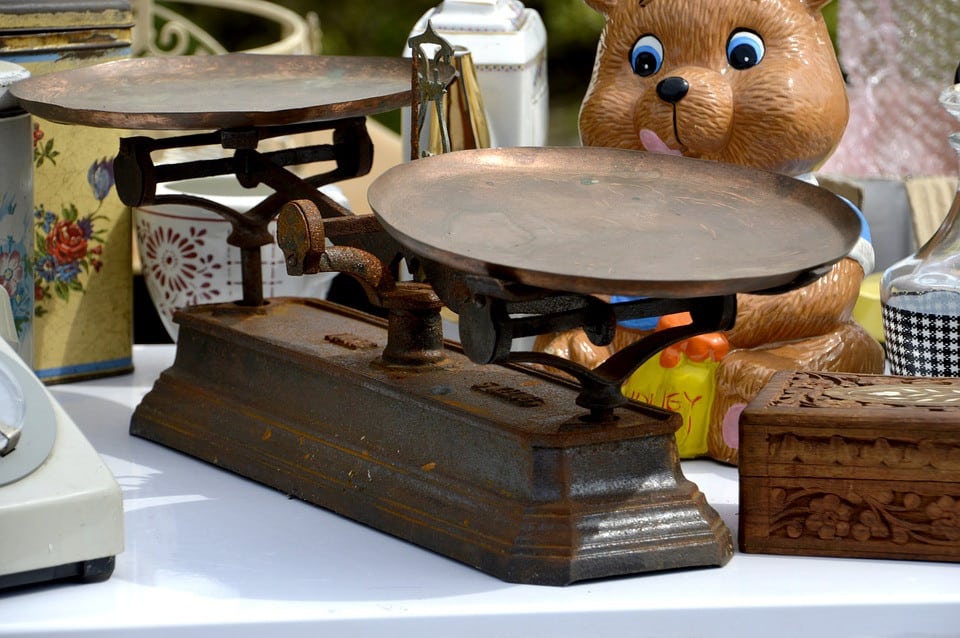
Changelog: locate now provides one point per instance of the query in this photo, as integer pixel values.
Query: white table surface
(209, 553)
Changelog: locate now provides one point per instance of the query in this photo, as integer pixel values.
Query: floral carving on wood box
(852, 465)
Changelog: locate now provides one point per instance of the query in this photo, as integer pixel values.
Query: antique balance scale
(463, 449)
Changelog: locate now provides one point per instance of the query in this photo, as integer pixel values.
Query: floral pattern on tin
(43, 151)
(15, 268)
(16, 273)
(69, 246)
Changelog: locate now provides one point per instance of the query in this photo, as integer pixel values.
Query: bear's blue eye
(744, 49)
(646, 57)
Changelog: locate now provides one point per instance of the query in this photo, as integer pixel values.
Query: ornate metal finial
(433, 74)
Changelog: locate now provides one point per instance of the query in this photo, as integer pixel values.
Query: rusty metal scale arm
(415, 330)
(489, 326)
(352, 150)
(494, 313)
(236, 100)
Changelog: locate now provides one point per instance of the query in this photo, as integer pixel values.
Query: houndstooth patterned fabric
(922, 344)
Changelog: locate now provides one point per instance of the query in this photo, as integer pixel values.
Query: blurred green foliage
(381, 27)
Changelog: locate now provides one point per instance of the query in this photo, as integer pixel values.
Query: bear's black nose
(672, 89)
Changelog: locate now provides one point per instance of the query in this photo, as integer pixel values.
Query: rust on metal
(547, 504)
(516, 396)
(415, 328)
(351, 341)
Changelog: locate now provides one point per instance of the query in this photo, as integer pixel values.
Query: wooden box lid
(853, 426)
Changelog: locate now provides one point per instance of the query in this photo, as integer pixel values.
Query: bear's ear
(816, 5)
(602, 6)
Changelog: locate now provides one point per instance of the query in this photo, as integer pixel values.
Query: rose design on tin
(68, 245)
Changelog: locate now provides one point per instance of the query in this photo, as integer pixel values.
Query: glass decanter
(920, 295)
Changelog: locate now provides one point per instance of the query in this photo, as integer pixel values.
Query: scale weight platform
(489, 465)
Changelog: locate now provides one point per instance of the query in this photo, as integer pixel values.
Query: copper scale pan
(234, 90)
(612, 221)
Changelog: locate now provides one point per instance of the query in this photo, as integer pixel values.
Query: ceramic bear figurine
(748, 82)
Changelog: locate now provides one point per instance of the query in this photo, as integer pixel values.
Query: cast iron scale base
(485, 464)
(527, 476)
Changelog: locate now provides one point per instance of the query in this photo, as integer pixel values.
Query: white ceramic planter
(185, 258)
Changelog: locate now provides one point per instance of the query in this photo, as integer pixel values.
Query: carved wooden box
(852, 465)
